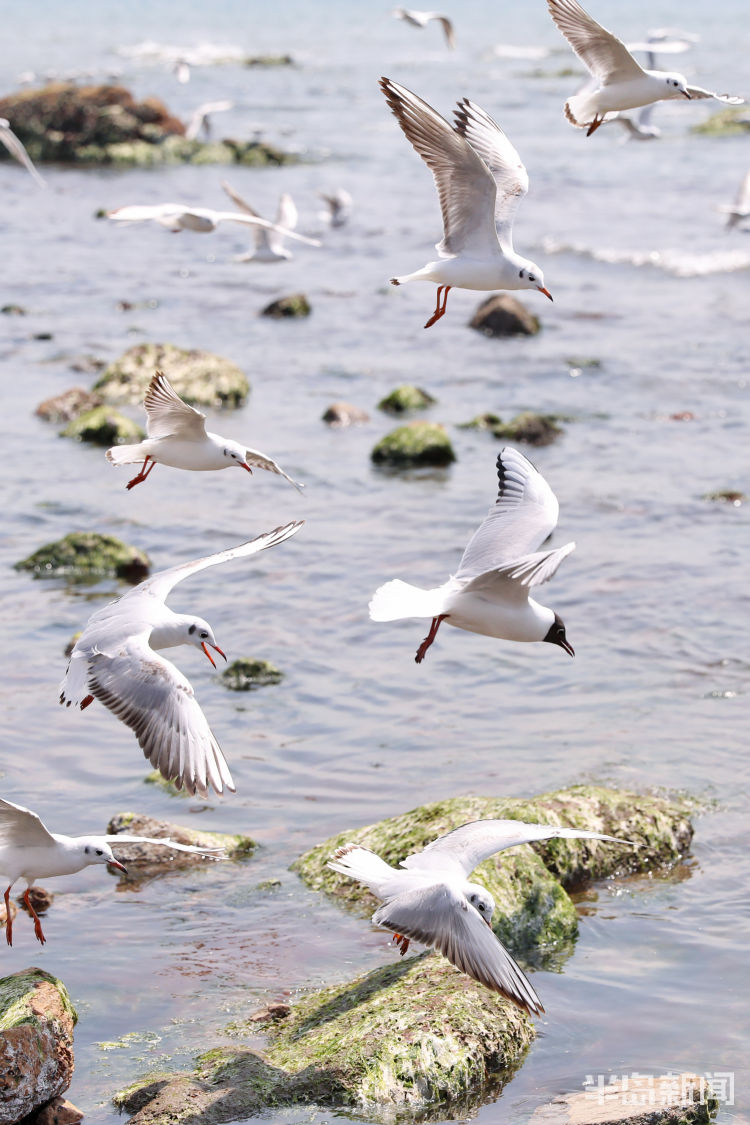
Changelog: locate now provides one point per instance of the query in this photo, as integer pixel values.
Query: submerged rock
(103, 426)
(295, 305)
(727, 496)
(13, 310)
(36, 1042)
(146, 860)
(68, 405)
(87, 554)
(341, 414)
(535, 429)
(57, 1112)
(406, 397)
(40, 899)
(501, 315)
(201, 378)
(416, 443)
(269, 60)
(637, 1099)
(728, 122)
(247, 675)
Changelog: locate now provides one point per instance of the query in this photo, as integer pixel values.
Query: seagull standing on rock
(480, 181)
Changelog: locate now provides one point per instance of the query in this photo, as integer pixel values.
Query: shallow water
(655, 598)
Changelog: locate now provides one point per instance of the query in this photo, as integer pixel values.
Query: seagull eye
(203, 636)
(99, 852)
(531, 277)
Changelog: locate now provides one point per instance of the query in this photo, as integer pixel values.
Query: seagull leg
(443, 291)
(422, 650)
(142, 475)
(594, 125)
(402, 942)
(35, 916)
(8, 919)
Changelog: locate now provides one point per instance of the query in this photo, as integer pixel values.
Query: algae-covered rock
(728, 122)
(247, 675)
(269, 60)
(636, 1099)
(36, 1042)
(534, 914)
(199, 377)
(103, 426)
(533, 428)
(147, 860)
(406, 397)
(295, 305)
(502, 315)
(727, 496)
(68, 405)
(340, 414)
(87, 554)
(416, 443)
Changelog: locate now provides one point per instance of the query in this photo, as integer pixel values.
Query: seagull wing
(519, 521)
(151, 696)
(254, 220)
(448, 32)
(145, 212)
(522, 574)
(168, 415)
(166, 842)
(463, 849)
(18, 152)
(442, 917)
(22, 828)
(159, 585)
(603, 53)
(465, 186)
(697, 92)
(259, 461)
(506, 167)
(262, 237)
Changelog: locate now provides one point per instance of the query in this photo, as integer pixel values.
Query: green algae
(17, 992)
(415, 444)
(103, 426)
(86, 554)
(291, 306)
(200, 378)
(248, 675)
(404, 398)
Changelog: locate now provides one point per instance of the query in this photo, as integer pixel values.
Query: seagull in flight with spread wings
(428, 898)
(115, 661)
(269, 244)
(421, 19)
(202, 220)
(489, 593)
(480, 181)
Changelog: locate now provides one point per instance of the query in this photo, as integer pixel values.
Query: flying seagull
(202, 220)
(17, 150)
(421, 19)
(269, 244)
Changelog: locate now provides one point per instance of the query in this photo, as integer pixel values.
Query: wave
(679, 263)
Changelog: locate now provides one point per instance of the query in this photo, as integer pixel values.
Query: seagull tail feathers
(396, 600)
(125, 454)
(575, 111)
(360, 863)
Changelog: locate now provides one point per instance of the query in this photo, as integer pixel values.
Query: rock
(270, 1012)
(87, 365)
(406, 397)
(729, 122)
(57, 1112)
(103, 426)
(637, 1099)
(296, 304)
(269, 60)
(199, 377)
(416, 443)
(486, 421)
(535, 429)
(727, 496)
(4, 913)
(87, 554)
(68, 405)
(341, 414)
(40, 899)
(13, 310)
(247, 675)
(147, 860)
(36, 1042)
(501, 315)
(169, 787)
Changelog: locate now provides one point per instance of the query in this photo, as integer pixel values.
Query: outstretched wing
(17, 151)
(526, 572)
(168, 415)
(511, 178)
(697, 92)
(22, 828)
(441, 917)
(599, 50)
(166, 842)
(259, 461)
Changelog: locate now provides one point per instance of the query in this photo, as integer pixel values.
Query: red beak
(208, 654)
(545, 291)
(245, 465)
(116, 863)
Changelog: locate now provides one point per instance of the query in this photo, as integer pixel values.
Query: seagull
(29, 851)
(178, 216)
(480, 181)
(201, 119)
(339, 204)
(421, 19)
(17, 150)
(428, 898)
(181, 71)
(620, 82)
(114, 660)
(740, 209)
(177, 436)
(638, 128)
(269, 244)
(489, 593)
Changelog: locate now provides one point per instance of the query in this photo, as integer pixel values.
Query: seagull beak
(568, 647)
(208, 654)
(487, 922)
(116, 863)
(244, 465)
(545, 291)
(687, 95)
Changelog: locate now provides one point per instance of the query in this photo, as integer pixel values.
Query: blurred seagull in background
(421, 19)
(200, 122)
(428, 898)
(269, 243)
(177, 436)
(115, 661)
(740, 209)
(29, 851)
(17, 150)
(339, 203)
(620, 82)
(202, 220)
(480, 181)
(489, 593)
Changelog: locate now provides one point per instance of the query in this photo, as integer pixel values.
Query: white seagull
(638, 128)
(428, 898)
(421, 19)
(739, 210)
(115, 661)
(179, 216)
(480, 181)
(201, 119)
(339, 203)
(17, 151)
(268, 244)
(177, 436)
(489, 593)
(620, 82)
(29, 851)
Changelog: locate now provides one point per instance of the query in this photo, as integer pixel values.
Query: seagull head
(482, 901)
(676, 84)
(531, 277)
(556, 635)
(200, 634)
(96, 850)
(236, 454)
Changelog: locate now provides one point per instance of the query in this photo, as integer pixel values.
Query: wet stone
(404, 398)
(247, 675)
(415, 444)
(295, 305)
(501, 315)
(39, 898)
(637, 1099)
(727, 496)
(200, 378)
(87, 554)
(104, 425)
(340, 414)
(68, 405)
(146, 860)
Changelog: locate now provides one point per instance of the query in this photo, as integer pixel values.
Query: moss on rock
(87, 554)
(528, 426)
(103, 426)
(148, 860)
(728, 122)
(416, 443)
(502, 315)
(294, 305)
(406, 397)
(199, 377)
(247, 675)
(727, 496)
(68, 405)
